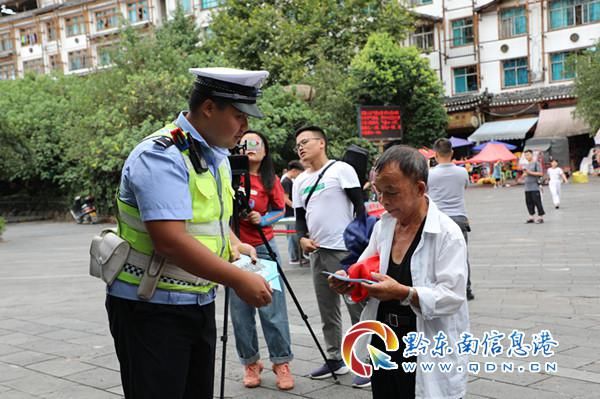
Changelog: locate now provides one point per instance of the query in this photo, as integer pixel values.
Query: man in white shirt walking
(326, 197)
(447, 184)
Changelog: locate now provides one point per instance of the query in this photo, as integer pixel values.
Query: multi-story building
(505, 60)
(498, 60)
(74, 36)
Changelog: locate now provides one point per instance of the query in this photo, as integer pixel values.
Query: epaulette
(164, 141)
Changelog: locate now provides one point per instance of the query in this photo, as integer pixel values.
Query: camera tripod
(241, 208)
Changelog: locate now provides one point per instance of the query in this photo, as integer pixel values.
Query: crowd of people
(175, 203)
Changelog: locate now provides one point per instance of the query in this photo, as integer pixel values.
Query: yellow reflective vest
(212, 207)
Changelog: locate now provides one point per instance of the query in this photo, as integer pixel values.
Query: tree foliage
(69, 135)
(587, 86)
(290, 37)
(384, 73)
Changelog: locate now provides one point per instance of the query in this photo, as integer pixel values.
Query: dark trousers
(533, 199)
(463, 223)
(395, 384)
(165, 351)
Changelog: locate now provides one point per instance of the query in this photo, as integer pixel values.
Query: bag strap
(312, 190)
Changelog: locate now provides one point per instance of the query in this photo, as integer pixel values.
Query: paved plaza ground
(55, 343)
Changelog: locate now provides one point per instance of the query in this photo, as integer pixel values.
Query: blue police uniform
(155, 180)
(166, 345)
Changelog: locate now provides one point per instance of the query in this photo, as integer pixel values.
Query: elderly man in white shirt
(421, 283)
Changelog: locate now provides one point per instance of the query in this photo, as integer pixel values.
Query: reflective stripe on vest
(212, 206)
(195, 229)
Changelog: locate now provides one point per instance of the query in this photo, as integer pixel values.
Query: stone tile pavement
(54, 339)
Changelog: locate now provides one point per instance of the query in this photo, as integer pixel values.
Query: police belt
(155, 266)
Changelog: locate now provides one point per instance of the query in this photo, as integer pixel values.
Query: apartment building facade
(508, 60)
(75, 36)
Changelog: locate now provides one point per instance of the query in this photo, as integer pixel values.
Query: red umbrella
(426, 152)
(493, 153)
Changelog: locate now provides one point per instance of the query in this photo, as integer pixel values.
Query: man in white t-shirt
(320, 223)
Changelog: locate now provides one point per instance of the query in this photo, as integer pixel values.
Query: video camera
(240, 169)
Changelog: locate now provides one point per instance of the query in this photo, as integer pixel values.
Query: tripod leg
(224, 341)
(273, 256)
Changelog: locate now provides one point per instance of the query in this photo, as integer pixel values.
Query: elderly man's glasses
(304, 142)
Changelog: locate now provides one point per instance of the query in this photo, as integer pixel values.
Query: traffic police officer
(174, 202)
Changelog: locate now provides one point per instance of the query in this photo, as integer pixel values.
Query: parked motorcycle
(83, 210)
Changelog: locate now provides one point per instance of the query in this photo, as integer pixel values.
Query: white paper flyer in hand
(266, 268)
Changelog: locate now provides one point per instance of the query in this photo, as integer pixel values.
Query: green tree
(289, 37)
(383, 73)
(284, 113)
(587, 86)
(69, 135)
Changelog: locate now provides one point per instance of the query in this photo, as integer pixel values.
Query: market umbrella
(458, 142)
(493, 152)
(506, 145)
(426, 152)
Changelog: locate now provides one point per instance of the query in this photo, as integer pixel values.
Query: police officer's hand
(254, 290)
(308, 245)
(254, 217)
(242, 248)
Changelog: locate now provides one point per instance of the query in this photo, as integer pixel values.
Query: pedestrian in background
(532, 171)
(557, 177)
(287, 181)
(267, 202)
(497, 174)
(446, 187)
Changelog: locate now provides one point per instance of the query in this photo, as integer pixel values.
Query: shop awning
(560, 122)
(493, 153)
(537, 146)
(514, 129)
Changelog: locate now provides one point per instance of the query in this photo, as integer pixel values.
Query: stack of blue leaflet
(266, 268)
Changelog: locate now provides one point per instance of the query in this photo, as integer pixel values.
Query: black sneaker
(530, 221)
(338, 367)
(470, 295)
(361, 382)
